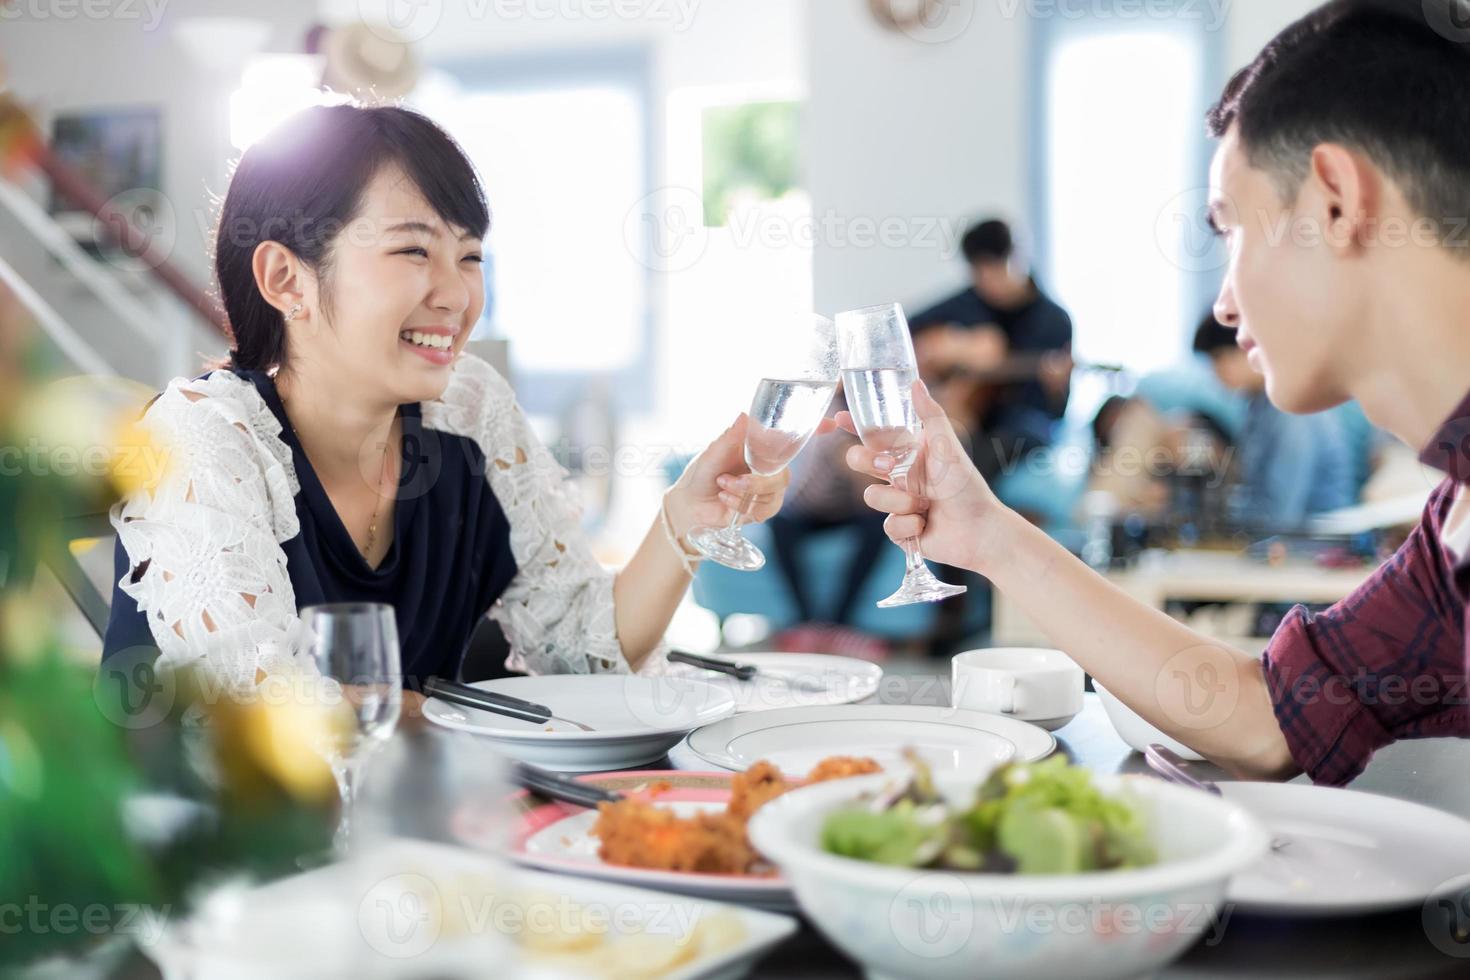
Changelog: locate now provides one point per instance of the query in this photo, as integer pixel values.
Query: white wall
(908, 132)
(1254, 22)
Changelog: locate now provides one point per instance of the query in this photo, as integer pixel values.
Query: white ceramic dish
(558, 837)
(1346, 853)
(1138, 733)
(901, 922)
(418, 910)
(792, 680)
(636, 719)
(795, 739)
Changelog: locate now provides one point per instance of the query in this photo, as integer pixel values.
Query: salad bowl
(944, 924)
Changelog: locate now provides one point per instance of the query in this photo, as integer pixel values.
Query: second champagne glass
(878, 374)
(784, 414)
(355, 644)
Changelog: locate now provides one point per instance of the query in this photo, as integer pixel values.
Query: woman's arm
(204, 563)
(650, 587)
(563, 612)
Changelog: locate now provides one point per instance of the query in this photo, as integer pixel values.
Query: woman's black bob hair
(303, 184)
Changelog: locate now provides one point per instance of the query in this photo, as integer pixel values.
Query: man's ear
(279, 275)
(1348, 192)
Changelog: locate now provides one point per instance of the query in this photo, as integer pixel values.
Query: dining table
(428, 763)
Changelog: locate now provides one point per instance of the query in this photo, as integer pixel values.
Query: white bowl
(636, 719)
(1138, 733)
(940, 925)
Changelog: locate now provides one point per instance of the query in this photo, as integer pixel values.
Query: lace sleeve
(558, 613)
(205, 561)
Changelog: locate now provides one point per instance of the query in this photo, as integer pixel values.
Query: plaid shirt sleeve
(1386, 663)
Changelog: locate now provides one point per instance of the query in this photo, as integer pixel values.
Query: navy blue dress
(449, 561)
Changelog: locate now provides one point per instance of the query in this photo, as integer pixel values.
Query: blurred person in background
(998, 352)
(1290, 467)
(1137, 449)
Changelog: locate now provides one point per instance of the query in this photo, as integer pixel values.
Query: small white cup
(1030, 685)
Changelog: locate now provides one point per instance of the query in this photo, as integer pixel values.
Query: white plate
(558, 837)
(792, 680)
(636, 719)
(795, 739)
(1346, 853)
(413, 909)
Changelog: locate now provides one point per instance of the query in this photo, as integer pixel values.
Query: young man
(1291, 467)
(1341, 187)
(1001, 345)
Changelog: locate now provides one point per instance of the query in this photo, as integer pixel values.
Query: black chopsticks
(555, 786)
(743, 672)
(473, 697)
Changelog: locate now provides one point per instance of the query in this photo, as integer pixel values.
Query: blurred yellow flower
(262, 743)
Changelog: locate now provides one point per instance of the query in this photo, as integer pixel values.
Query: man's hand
(1055, 374)
(938, 350)
(943, 500)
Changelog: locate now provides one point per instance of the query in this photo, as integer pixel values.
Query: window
(562, 148)
(1124, 182)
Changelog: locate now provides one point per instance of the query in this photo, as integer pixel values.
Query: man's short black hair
(1388, 78)
(988, 241)
(1213, 336)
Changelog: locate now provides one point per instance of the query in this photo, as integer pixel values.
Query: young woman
(351, 452)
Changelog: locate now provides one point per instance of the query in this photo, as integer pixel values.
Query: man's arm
(1387, 662)
(1211, 697)
(1206, 695)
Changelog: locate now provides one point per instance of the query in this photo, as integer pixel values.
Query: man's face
(1295, 300)
(993, 281)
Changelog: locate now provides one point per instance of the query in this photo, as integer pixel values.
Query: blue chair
(726, 592)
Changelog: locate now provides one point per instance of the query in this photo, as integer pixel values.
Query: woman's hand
(943, 500)
(717, 484)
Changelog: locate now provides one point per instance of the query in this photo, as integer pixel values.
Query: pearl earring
(293, 312)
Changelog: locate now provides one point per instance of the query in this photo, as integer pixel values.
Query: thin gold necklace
(373, 524)
(382, 472)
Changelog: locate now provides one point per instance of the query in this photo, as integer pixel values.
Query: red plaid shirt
(1390, 661)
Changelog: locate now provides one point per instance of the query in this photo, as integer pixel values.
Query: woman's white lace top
(214, 582)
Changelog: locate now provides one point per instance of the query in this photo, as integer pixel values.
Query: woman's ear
(280, 277)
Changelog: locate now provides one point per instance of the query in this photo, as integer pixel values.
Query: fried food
(841, 767)
(637, 834)
(754, 788)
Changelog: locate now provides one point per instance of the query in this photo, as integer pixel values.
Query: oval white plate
(636, 719)
(1346, 852)
(792, 680)
(558, 837)
(795, 739)
(370, 913)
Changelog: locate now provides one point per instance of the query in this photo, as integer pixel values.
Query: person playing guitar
(998, 353)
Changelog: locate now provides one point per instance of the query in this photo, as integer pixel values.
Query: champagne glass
(785, 412)
(355, 644)
(878, 374)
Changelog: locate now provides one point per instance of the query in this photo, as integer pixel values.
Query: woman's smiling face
(404, 291)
